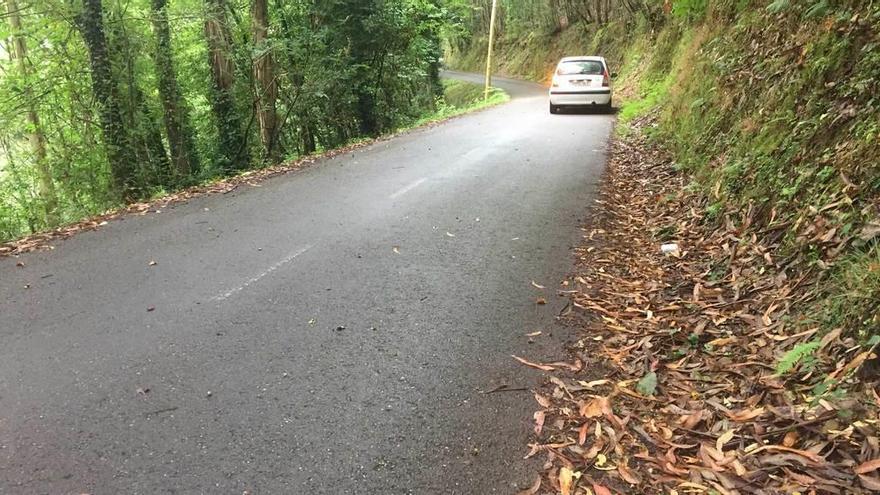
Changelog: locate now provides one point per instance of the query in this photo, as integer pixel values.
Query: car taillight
(554, 82)
(606, 80)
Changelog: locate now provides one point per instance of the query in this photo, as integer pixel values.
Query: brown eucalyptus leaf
(542, 367)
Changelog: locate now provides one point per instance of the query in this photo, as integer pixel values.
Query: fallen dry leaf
(577, 365)
(566, 478)
(746, 415)
(594, 408)
(539, 421)
(532, 490)
(723, 439)
(867, 467)
(543, 401)
(539, 366)
(601, 490)
(809, 455)
(582, 433)
(626, 474)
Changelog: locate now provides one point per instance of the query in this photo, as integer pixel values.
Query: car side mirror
(614, 75)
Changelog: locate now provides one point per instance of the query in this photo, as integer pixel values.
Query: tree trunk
(232, 139)
(91, 25)
(37, 137)
(140, 121)
(175, 115)
(264, 76)
(308, 138)
(363, 56)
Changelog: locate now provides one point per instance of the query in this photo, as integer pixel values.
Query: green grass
(853, 295)
(461, 94)
(460, 97)
(650, 96)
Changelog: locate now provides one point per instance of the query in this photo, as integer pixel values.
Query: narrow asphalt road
(330, 331)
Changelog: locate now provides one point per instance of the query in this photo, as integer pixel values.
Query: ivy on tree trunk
(184, 156)
(119, 151)
(232, 141)
(264, 77)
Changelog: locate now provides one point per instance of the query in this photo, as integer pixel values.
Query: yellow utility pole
(489, 54)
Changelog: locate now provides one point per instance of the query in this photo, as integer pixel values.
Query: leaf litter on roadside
(690, 398)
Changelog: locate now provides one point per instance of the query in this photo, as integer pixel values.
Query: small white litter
(671, 248)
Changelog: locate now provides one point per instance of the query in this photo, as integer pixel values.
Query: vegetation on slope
(460, 97)
(778, 122)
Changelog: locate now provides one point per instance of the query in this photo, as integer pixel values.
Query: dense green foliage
(104, 103)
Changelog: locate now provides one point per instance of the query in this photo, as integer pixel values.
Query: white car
(582, 82)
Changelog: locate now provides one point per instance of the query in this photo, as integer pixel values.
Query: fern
(799, 353)
(818, 9)
(778, 6)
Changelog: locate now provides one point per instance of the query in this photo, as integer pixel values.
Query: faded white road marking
(253, 280)
(476, 155)
(407, 189)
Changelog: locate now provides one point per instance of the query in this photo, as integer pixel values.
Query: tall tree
(264, 77)
(175, 112)
(232, 139)
(141, 120)
(37, 136)
(122, 164)
(363, 54)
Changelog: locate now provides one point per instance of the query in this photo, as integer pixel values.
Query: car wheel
(554, 108)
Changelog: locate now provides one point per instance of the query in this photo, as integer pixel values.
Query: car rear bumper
(581, 97)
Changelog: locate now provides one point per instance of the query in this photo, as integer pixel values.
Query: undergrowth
(460, 97)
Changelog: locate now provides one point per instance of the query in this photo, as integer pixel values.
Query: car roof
(583, 57)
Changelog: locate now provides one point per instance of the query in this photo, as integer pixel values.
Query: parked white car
(581, 81)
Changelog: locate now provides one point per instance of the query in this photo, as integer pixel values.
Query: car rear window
(590, 67)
